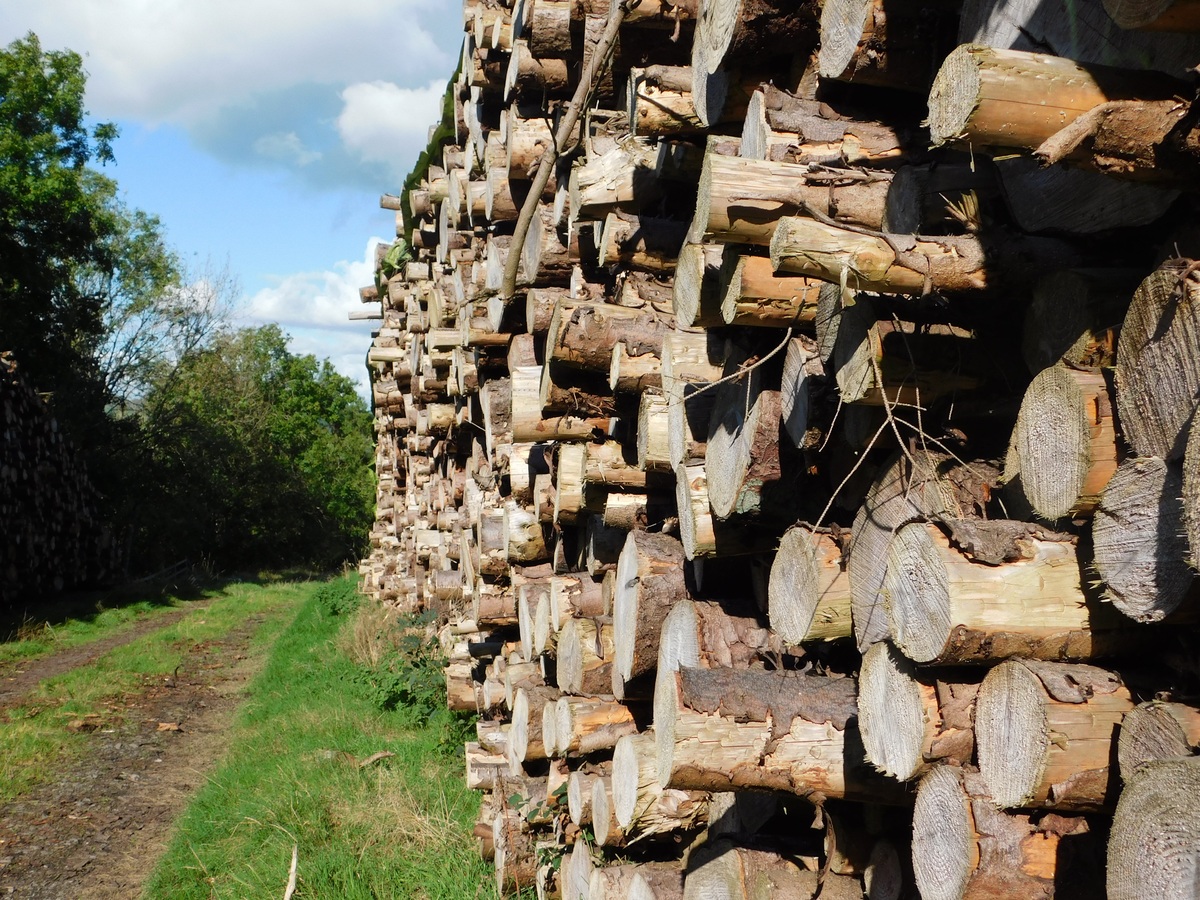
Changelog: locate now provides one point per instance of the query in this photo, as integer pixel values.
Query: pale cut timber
(809, 590)
(574, 594)
(1158, 372)
(1009, 98)
(604, 821)
(701, 533)
(920, 197)
(964, 847)
(643, 808)
(528, 77)
(660, 103)
(896, 496)
(1044, 734)
(625, 176)
(579, 792)
(752, 294)
(635, 512)
(653, 431)
(1137, 537)
(868, 262)
(1154, 841)
(634, 373)
(690, 361)
(741, 201)
(1064, 446)
(911, 720)
(525, 740)
(1157, 729)
(742, 455)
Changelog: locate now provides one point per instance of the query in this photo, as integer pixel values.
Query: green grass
(398, 828)
(35, 741)
(42, 638)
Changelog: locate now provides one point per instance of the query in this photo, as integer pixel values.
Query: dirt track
(97, 831)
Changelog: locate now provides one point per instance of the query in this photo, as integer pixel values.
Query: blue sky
(262, 134)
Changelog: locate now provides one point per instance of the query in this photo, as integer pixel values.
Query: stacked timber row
(800, 450)
(51, 536)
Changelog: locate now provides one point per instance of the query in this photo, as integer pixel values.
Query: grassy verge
(339, 687)
(34, 736)
(35, 639)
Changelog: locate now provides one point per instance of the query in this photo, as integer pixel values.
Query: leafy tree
(55, 216)
(259, 456)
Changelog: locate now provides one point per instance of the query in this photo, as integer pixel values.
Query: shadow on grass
(183, 582)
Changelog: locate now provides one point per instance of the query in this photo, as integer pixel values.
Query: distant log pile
(51, 537)
(824, 485)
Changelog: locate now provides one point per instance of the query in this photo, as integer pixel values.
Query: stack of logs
(801, 522)
(50, 534)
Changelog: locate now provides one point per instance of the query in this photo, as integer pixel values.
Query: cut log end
(891, 713)
(1010, 733)
(954, 95)
(1155, 841)
(916, 592)
(942, 829)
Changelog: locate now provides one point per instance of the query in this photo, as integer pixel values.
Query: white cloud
(181, 61)
(285, 147)
(313, 307)
(382, 122)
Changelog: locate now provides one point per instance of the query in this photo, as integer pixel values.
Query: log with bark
(585, 657)
(741, 201)
(897, 46)
(1157, 729)
(915, 264)
(649, 581)
(913, 718)
(1075, 318)
(730, 729)
(752, 294)
(1064, 447)
(1010, 98)
(1045, 734)
(742, 449)
(987, 590)
(643, 808)
(964, 847)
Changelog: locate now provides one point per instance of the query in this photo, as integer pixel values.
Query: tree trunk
(700, 532)
(1044, 734)
(743, 446)
(741, 201)
(696, 298)
(897, 47)
(642, 243)
(1075, 317)
(587, 725)
(582, 334)
(742, 729)
(753, 29)
(585, 657)
(643, 808)
(1156, 730)
(730, 872)
(752, 294)
(525, 740)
